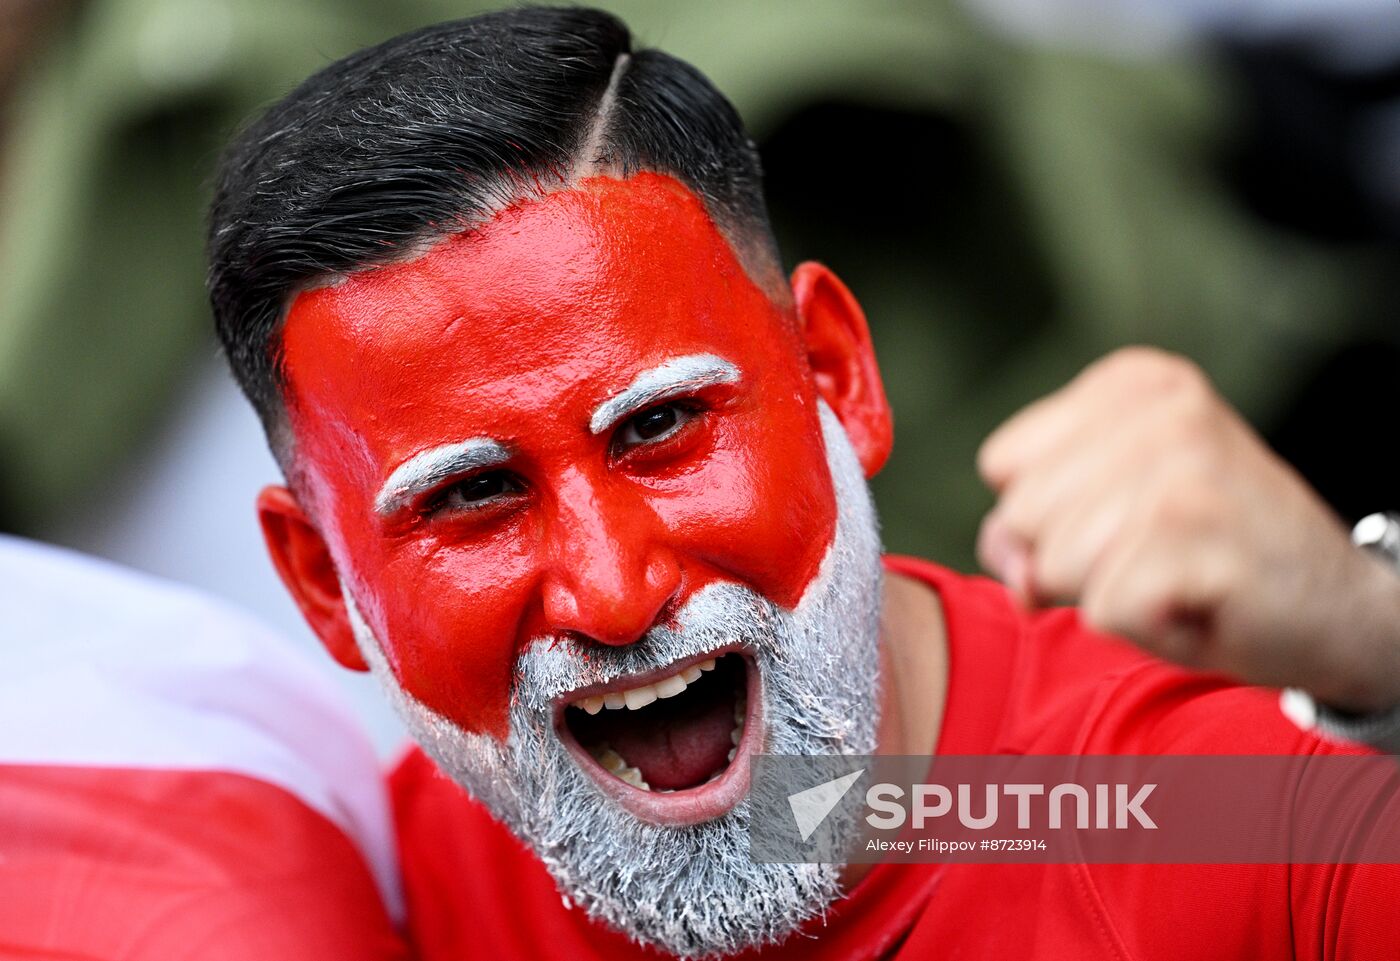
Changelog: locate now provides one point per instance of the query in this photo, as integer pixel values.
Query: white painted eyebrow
(422, 472)
(677, 376)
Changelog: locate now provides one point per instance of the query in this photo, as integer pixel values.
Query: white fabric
(104, 667)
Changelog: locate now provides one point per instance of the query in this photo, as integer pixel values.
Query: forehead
(555, 299)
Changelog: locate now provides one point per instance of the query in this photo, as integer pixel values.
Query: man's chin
(667, 866)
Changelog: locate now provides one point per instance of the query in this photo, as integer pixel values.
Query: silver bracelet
(1380, 534)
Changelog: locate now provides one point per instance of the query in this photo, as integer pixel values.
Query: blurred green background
(1007, 208)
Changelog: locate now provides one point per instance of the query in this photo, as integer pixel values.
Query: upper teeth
(616, 765)
(637, 697)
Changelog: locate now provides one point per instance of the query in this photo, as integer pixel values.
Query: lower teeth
(634, 777)
(616, 765)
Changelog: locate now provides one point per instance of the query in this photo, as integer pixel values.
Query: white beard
(691, 890)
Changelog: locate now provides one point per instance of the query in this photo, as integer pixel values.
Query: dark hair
(426, 133)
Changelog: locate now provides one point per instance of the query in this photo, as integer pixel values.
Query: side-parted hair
(431, 132)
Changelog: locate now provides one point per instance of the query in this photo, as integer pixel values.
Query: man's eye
(653, 425)
(475, 491)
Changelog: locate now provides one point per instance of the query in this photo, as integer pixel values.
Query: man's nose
(611, 573)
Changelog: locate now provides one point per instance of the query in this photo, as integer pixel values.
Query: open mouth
(670, 748)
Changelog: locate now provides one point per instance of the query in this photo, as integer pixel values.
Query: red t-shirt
(1018, 684)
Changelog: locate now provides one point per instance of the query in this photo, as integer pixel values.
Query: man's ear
(304, 562)
(843, 364)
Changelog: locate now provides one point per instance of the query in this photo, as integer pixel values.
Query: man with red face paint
(580, 477)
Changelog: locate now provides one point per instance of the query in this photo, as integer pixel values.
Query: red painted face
(453, 422)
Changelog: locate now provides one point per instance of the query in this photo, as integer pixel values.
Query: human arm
(1139, 494)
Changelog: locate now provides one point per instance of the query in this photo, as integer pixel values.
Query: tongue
(679, 742)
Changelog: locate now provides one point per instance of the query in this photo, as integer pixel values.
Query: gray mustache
(718, 615)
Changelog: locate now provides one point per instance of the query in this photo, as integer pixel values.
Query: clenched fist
(1137, 493)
